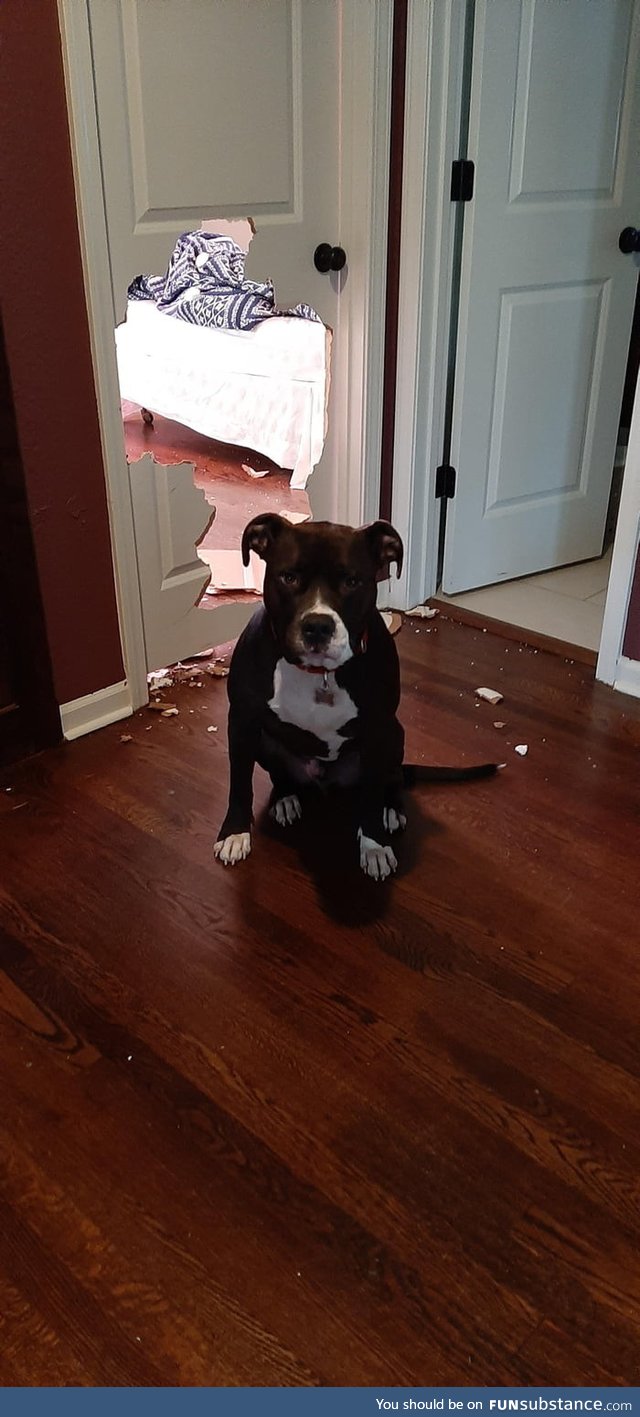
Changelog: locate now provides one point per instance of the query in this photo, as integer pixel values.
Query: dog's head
(320, 583)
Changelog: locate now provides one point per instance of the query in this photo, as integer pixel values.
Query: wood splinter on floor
(423, 612)
(490, 696)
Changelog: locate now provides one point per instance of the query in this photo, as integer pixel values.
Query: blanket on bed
(205, 285)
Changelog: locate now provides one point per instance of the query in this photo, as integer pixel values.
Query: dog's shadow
(326, 844)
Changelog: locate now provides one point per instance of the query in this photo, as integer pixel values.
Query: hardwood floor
(281, 1125)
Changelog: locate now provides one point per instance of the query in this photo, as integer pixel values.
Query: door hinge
(462, 178)
(445, 481)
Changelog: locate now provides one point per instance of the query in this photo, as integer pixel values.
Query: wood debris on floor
(491, 696)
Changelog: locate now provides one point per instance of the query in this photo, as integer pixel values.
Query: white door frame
(613, 667)
(365, 85)
(435, 54)
(435, 51)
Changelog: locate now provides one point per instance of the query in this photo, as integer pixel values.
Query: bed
(265, 388)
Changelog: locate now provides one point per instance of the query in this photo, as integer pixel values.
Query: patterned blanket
(205, 285)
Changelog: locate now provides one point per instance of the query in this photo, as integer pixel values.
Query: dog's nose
(317, 630)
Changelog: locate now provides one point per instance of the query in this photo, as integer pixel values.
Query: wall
(48, 348)
(631, 645)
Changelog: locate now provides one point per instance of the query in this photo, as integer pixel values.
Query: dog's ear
(260, 534)
(385, 546)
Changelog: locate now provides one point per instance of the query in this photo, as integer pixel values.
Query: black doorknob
(329, 258)
(629, 240)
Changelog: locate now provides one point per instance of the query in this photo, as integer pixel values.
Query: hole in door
(214, 374)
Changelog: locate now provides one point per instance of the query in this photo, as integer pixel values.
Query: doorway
(533, 448)
(272, 143)
(564, 605)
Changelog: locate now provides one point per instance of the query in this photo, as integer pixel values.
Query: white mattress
(265, 389)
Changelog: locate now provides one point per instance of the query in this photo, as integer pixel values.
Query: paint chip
(490, 696)
(522, 749)
(423, 612)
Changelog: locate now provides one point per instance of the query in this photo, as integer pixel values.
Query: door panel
(566, 145)
(546, 296)
(208, 108)
(171, 516)
(245, 160)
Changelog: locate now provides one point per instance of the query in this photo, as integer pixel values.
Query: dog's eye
(352, 582)
(289, 577)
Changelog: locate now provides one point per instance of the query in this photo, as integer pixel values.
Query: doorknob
(629, 240)
(329, 258)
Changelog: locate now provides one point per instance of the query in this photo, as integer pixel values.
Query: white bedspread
(265, 388)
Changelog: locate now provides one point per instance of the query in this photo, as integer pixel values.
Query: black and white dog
(314, 686)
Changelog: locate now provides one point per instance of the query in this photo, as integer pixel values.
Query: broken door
(204, 109)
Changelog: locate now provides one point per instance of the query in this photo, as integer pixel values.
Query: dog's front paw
(286, 810)
(376, 861)
(234, 848)
(394, 821)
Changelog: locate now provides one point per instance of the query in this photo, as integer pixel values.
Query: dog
(314, 687)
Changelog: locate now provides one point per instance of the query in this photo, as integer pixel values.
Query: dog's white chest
(296, 700)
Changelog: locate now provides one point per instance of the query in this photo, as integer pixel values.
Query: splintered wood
(490, 696)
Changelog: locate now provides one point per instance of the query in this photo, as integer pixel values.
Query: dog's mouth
(329, 656)
(320, 660)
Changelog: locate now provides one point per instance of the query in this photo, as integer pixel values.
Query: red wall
(47, 340)
(631, 646)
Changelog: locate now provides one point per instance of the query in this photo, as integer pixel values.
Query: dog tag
(324, 694)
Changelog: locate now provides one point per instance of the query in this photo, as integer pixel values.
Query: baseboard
(94, 711)
(627, 680)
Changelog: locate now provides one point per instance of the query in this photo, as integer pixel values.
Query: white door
(547, 297)
(217, 108)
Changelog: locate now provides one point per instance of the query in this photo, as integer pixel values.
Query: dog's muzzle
(317, 630)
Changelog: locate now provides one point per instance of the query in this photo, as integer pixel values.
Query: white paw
(233, 848)
(377, 861)
(286, 811)
(394, 821)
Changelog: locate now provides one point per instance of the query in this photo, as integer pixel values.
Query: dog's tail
(414, 773)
